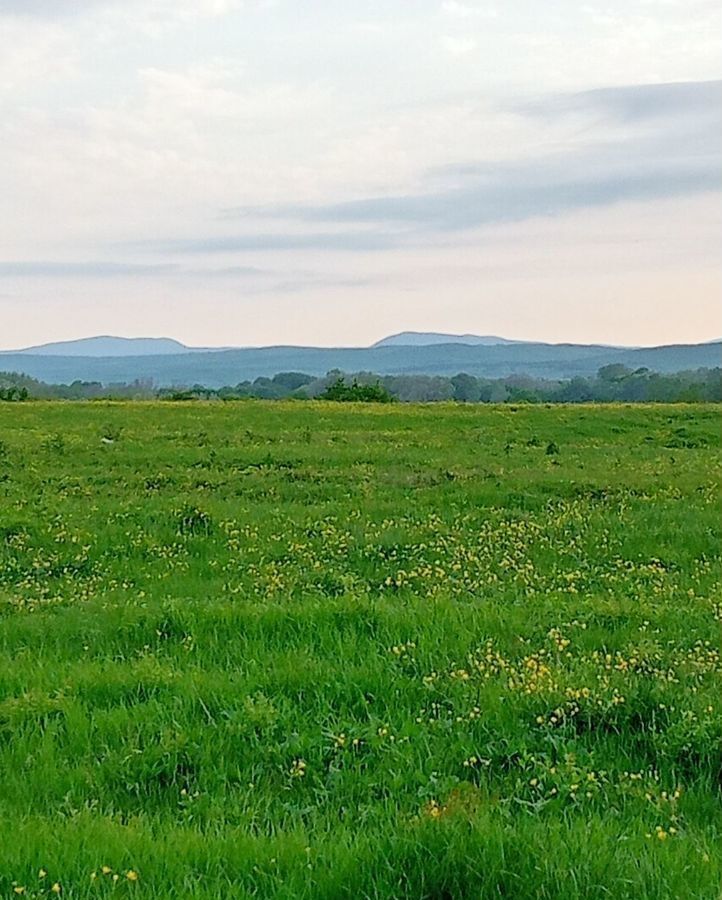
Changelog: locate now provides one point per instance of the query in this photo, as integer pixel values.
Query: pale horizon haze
(328, 173)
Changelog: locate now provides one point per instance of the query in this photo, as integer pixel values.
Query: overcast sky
(328, 172)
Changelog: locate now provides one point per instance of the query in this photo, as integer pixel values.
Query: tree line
(612, 383)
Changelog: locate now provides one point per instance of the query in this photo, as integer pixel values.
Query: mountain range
(110, 345)
(167, 362)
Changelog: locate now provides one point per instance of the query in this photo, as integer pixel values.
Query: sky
(328, 172)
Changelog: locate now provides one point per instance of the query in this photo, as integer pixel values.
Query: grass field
(327, 651)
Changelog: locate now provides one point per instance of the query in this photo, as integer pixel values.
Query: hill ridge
(218, 367)
(107, 345)
(427, 338)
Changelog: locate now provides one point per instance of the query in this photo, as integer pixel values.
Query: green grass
(327, 651)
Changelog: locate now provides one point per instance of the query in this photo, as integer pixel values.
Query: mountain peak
(109, 345)
(427, 338)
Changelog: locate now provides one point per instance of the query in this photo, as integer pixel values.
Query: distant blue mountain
(214, 368)
(107, 345)
(426, 338)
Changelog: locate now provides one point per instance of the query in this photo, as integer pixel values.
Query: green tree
(355, 392)
(466, 388)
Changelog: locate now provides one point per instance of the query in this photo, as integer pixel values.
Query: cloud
(353, 241)
(514, 193)
(307, 282)
(41, 54)
(243, 272)
(48, 8)
(255, 280)
(458, 46)
(663, 141)
(179, 9)
(636, 103)
(87, 269)
(153, 16)
(468, 10)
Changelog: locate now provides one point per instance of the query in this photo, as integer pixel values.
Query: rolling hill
(107, 345)
(214, 368)
(426, 338)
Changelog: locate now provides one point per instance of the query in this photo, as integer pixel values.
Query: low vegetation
(613, 383)
(342, 391)
(339, 650)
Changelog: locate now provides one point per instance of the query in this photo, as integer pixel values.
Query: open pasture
(306, 650)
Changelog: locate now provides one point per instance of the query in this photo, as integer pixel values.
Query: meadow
(317, 650)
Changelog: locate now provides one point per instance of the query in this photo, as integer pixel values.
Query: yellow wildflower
(434, 810)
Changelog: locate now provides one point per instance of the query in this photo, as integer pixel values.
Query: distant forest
(612, 383)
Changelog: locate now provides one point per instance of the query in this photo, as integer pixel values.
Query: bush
(355, 392)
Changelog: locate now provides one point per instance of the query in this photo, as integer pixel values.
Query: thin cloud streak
(512, 194)
(255, 281)
(87, 269)
(48, 8)
(635, 102)
(681, 155)
(340, 241)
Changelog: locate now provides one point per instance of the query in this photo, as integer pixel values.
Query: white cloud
(153, 16)
(466, 10)
(34, 55)
(458, 46)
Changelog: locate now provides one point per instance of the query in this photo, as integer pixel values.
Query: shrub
(355, 392)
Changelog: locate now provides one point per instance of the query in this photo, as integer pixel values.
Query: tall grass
(319, 651)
